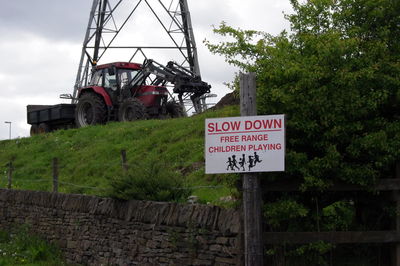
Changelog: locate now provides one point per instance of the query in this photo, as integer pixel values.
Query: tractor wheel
(175, 110)
(43, 128)
(34, 130)
(90, 110)
(131, 109)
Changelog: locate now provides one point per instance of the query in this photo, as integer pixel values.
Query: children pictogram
(256, 159)
(242, 162)
(251, 162)
(229, 162)
(234, 165)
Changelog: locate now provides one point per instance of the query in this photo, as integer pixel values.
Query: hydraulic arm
(186, 83)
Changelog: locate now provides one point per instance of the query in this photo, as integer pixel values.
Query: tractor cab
(117, 80)
(113, 77)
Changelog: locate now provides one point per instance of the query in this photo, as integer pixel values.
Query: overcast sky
(41, 40)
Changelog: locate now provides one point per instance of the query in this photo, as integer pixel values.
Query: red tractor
(128, 91)
(122, 92)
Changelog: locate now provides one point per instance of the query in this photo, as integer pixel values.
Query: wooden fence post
(55, 175)
(252, 201)
(396, 194)
(9, 175)
(124, 160)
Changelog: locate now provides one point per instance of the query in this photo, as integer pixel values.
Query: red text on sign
(229, 139)
(235, 126)
(261, 137)
(224, 127)
(231, 148)
(263, 124)
(264, 147)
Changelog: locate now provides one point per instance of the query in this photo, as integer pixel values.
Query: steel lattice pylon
(108, 20)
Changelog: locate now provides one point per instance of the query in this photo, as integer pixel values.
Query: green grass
(19, 247)
(90, 157)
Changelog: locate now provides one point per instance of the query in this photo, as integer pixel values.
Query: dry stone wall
(101, 231)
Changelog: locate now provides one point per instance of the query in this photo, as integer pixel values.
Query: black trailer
(46, 118)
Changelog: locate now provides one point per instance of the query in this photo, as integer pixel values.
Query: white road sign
(245, 144)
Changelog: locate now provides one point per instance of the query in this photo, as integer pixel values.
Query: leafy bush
(283, 210)
(152, 181)
(338, 216)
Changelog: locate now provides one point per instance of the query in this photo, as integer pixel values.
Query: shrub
(151, 181)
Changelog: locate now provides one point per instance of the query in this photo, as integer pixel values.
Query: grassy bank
(89, 158)
(19, 247)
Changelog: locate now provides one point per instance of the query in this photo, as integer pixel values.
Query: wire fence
(11, 181)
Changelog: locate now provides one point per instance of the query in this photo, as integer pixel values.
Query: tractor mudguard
(98, 90)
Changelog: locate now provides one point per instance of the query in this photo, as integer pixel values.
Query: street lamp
(8, 122)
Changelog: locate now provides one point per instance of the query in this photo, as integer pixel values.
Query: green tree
(336, 77)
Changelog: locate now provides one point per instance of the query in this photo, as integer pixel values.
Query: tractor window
(126, 75)
(97, 78)
(110, 81)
